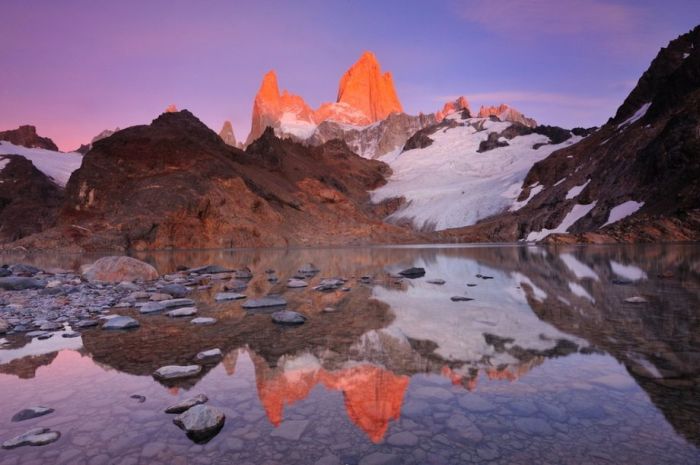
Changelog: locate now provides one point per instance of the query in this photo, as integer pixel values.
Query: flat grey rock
(439, 282)
(201, 422)
(211, 355)
(180, 312)
(296, 283)
(31, 412)
(176, 371)
(268, 301)
(176, 290)
(187, 404)
(86, 324)
(19, 283)
(152, 307)
(460, 298)
(203, 320)
(171, 303)
(121, 322)
(288, 317)
(224, 296)
(33, 437)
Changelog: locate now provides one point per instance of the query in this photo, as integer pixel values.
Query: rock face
(636, 179)
(26, 136)
(365, 96)
(85, 148)
(227, 135)
(176, 184)
(120, 268)
(459, 105)
(29, 200)
(506, 113)
(364, 88)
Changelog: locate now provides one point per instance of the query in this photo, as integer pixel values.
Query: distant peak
(171, 108)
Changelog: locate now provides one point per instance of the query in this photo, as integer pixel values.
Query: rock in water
(121, 322)
(31, 412)
(200, 422)
(413, 272)
(223, 296)
(119, 268)
(243, 273)
(268, 301)
(636, 300)
(308, 268)
(176, 290)
(18, 283)
(176, 371)
(180, 312)
(203, 320)
(187, 404)
(152, 307)
(207, 356)
(459, 298)
(33, 437)
(177, 303)
(439, 282)
(288, 317)
(296, 283)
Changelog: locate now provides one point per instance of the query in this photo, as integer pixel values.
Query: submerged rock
(267, 301)
(119, 268)
(201, 422)
(33, 437)
(31, 412)
(288, 317)
(121, 322)
(187, 404)
(176, 371)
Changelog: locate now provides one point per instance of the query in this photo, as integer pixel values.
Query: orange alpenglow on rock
(269, 107)
(365, 96)
(506, 113)
(451, 107)
(171, 108)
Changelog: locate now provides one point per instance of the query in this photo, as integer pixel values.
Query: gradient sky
(74, 68)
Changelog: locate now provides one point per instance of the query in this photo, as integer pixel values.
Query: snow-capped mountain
(56, 165)
(463, 170)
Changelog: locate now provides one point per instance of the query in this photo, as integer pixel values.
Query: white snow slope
(449, 184)
(56, 165)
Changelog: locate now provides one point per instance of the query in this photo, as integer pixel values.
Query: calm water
(547, 364)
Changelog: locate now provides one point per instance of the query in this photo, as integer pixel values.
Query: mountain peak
(506, 113)
(227, 134)
(27, 136)
(366, 89)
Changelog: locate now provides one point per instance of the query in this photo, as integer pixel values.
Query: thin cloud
(542, 98)
(542, 18)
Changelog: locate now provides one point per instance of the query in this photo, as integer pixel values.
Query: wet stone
(176, 371)
(86, 324)
(223, 296)
(296, 283)
(263, 302)
(31, 412)
(207, 356)
(181, 312)
(176, 290)
(201, 422)
(413, 272)
(120, 322)
(186, 404)
(290, 429)
(459, 298)
(152, 307)
(33, 437)
(534, 426)
(438, 281)
(177, 303)
(288, 317)
(380, 458)
(475, 403)
(203, 320)
(403, 439)
(18, 283)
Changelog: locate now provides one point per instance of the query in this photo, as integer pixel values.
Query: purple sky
(74, 68)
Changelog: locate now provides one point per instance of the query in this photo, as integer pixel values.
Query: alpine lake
(504, 354)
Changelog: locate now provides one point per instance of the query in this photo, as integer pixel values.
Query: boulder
(169, 372)
(200, 422)
(121, 322)
(288, 317)
(116, 269)
(31, 412)
(187, 404)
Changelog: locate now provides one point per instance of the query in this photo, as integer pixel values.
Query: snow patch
(534, 190)
(576, 213)
(579, 269)
(578, 290)
(540, 295)
(576, 190)
(56, 165)
(622, 211)
(630, 272)
(449, 184)
(637, 115)
(3, 163)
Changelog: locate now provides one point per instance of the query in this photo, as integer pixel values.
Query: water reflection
(531, 356)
